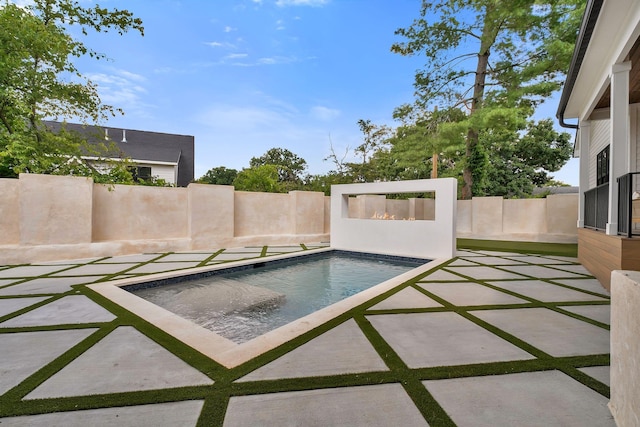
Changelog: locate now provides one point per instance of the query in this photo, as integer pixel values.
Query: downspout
(591, 13)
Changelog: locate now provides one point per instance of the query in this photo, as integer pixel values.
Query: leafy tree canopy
(262, 178)
(495, 60)
(289, 166)
(219, 175)
(38, 79)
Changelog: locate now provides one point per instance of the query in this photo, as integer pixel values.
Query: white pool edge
(223, 350)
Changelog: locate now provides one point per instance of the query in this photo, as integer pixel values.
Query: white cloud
(236, 56)
(323, 113)
(274, 60)
(280, 25)
(315, 3)
(229, 29)
(122, 89)
(224, 45)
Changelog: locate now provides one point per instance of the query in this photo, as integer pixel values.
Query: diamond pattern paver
(30, 271)
(592, 285)
(96, 269)
(486, 273)
(600, 313)
(47, 285)
(406, 298)
(23, 353)
(10, 305)
(442, 339)
(372, 406)
(74, 309)
(526, 399)
(443, 275)
(541, 272)
(342, 350)
(551, 332)
(140, 364)
(600, 373)
(160, 415)
(543, 291)
(158, 267)
(470, 294)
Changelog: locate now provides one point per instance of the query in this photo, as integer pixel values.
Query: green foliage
(259, 178)
(219, 175)
(38, 79)
(288, 165)
(519, 162)
(497, 60)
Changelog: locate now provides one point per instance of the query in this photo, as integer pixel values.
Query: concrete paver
(442, 339)
(367, 406)
(541, 272)
(23, 353)
(470, 294)
(546, 292)
(342, 350)
(73, 309)
(159, 414)
(128, 361)
(486, 273)
(600, 373)
(548, 398)
(406, 298)
(140, 364)
(551, 332)
(96, 269)
(46, 285)
(600, 313)
(11, 305)
(591, 285)
(30, 271)
(158, 267)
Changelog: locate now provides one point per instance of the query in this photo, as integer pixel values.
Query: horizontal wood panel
(601, 254)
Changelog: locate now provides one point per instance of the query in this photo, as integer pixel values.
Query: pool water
(241, 305)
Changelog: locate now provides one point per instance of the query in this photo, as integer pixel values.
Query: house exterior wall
(600, 135)
(166, 172)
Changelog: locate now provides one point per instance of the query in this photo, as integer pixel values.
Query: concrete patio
(487, 339)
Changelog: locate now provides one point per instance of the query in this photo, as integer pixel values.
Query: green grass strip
(559, 249)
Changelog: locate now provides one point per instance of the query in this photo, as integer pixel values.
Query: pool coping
(223, 350)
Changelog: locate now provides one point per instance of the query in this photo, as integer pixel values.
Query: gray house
(163, 155)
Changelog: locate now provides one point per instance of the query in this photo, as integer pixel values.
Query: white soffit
(617, 28)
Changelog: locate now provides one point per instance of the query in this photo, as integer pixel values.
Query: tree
(374, 140)
(219, 175)
(497, 60)
(520, 162)
(288, 165)
(260, 178)
(38, 79)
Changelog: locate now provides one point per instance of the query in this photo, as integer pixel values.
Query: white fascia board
(616, 31)
(136, 161)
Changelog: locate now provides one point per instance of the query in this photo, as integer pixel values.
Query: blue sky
(244, 76)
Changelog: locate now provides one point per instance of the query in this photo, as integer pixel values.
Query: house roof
(608, 36)
(135, 144)
(141, 146)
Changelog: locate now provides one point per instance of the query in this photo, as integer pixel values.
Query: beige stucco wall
(625, 348)
(486, 213)
(562, 213)
(51, 217)
(307, 212)
(133, 212)
(9, 212)
(524, 216)
(211, 215)
(259, 214)
(55, 209)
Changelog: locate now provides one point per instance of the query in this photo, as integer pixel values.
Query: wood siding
(600, 135)
(601, 254)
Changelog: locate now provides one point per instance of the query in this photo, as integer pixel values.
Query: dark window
(141, 173)
(602, 166)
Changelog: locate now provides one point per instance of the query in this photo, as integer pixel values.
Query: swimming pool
(243, 303)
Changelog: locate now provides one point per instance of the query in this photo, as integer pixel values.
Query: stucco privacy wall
(625, 348)
(10, 211)
(127, 212)
(428, 238)
(550, 219)
(45, 217)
